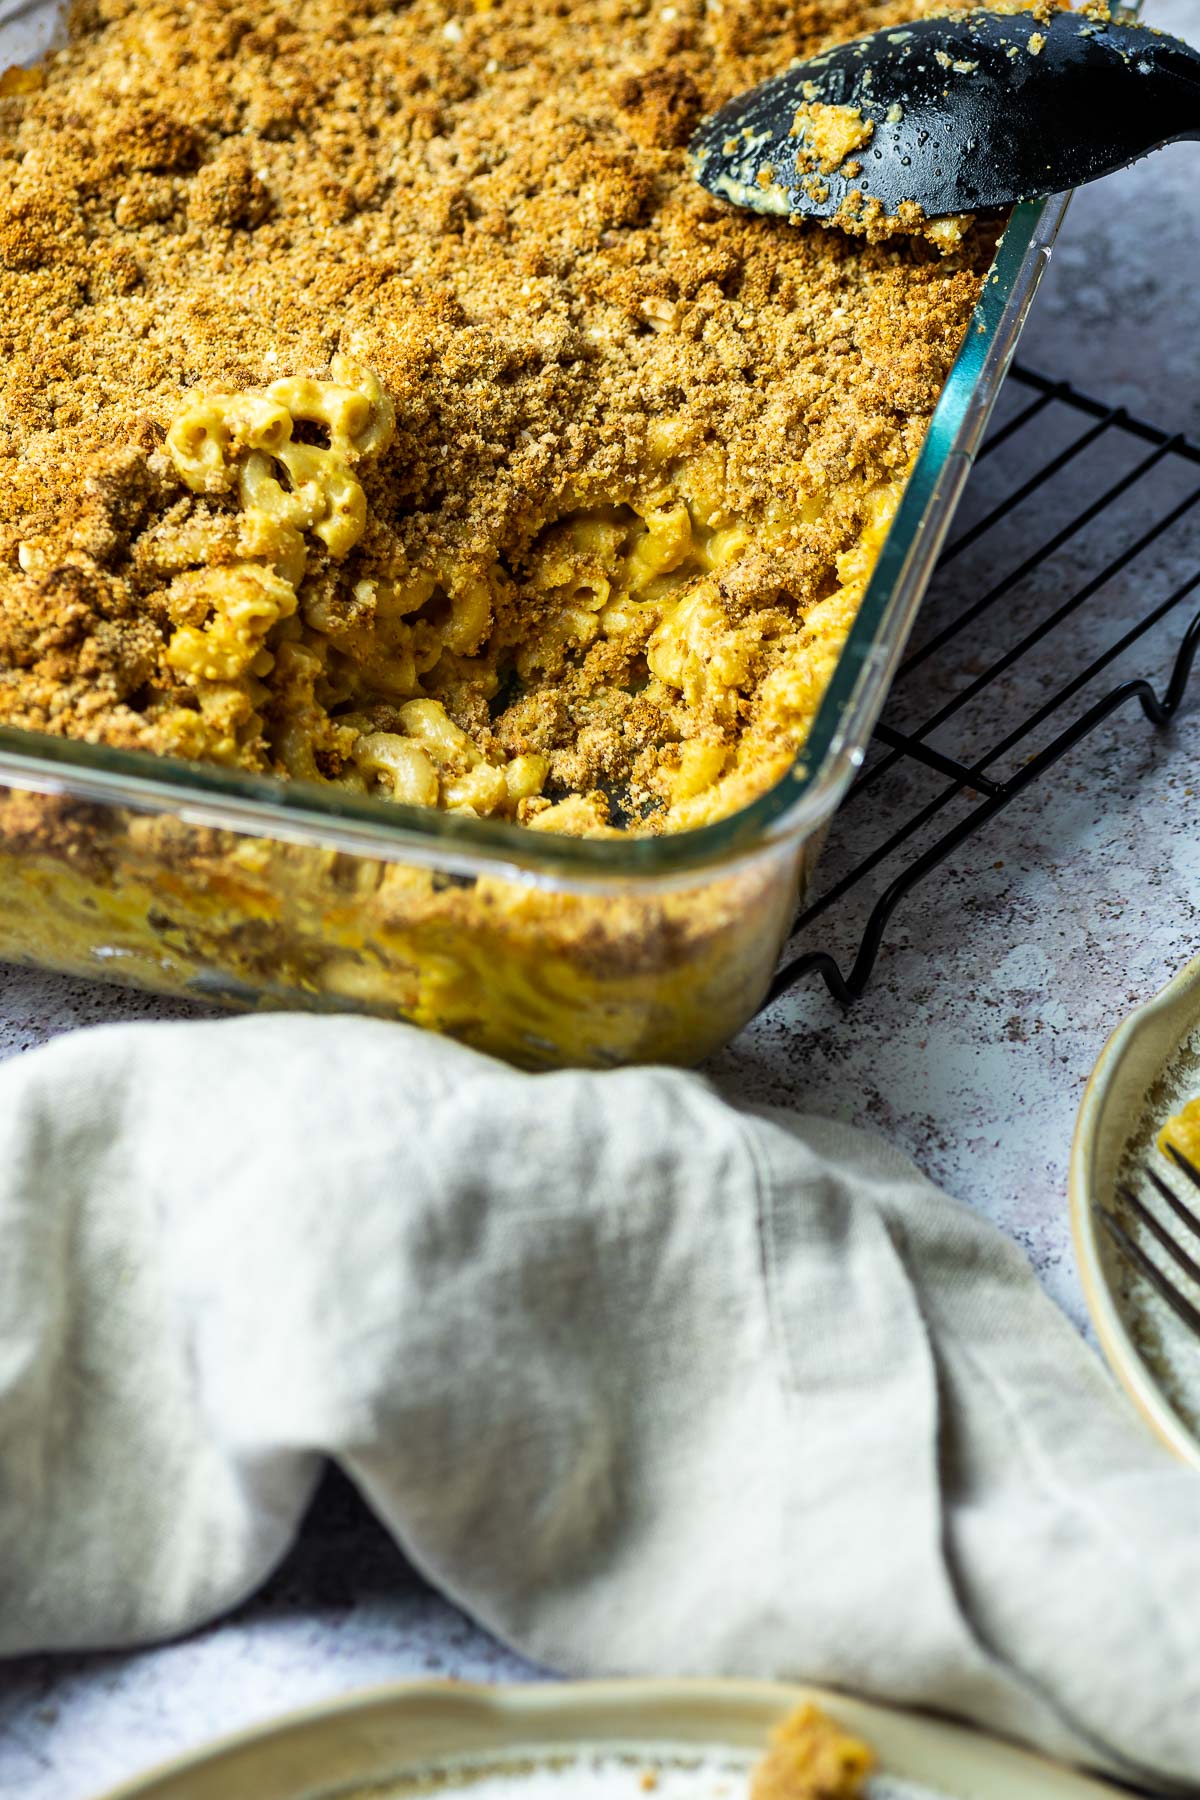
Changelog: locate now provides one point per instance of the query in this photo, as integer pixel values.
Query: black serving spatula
(962, 114)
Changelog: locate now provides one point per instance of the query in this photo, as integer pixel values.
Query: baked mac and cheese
(384, 404)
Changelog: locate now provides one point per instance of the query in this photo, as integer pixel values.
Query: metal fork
(1158, 1278)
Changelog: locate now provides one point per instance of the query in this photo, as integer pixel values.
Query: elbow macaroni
(220, 443)
(355, 679)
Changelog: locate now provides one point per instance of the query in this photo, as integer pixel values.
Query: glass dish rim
(798, 803)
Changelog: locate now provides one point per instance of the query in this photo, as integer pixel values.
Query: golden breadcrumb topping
(641, 447)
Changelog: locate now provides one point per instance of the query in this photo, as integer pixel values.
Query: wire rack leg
(846, 988)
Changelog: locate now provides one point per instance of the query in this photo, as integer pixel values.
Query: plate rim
(1120, 1352)
(538, 1699)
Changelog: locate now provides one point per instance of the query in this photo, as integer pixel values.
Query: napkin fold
(644, 1383)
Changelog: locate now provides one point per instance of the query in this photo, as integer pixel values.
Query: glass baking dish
(547, 950)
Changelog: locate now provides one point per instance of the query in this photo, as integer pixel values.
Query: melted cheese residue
(829, 134)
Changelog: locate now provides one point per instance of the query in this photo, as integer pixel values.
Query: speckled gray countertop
(998, 984)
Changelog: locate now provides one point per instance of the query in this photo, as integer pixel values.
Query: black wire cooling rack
(1055, 583)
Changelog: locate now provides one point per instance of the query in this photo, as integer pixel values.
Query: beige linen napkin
(642, 1382)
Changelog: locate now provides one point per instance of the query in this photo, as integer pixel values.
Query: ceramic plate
(1148, 1069)
(589, 1741)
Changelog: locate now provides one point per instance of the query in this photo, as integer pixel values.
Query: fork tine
(1185, 1163)
(1180, 1208)
(1180, 1305)
(1157, 1229)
